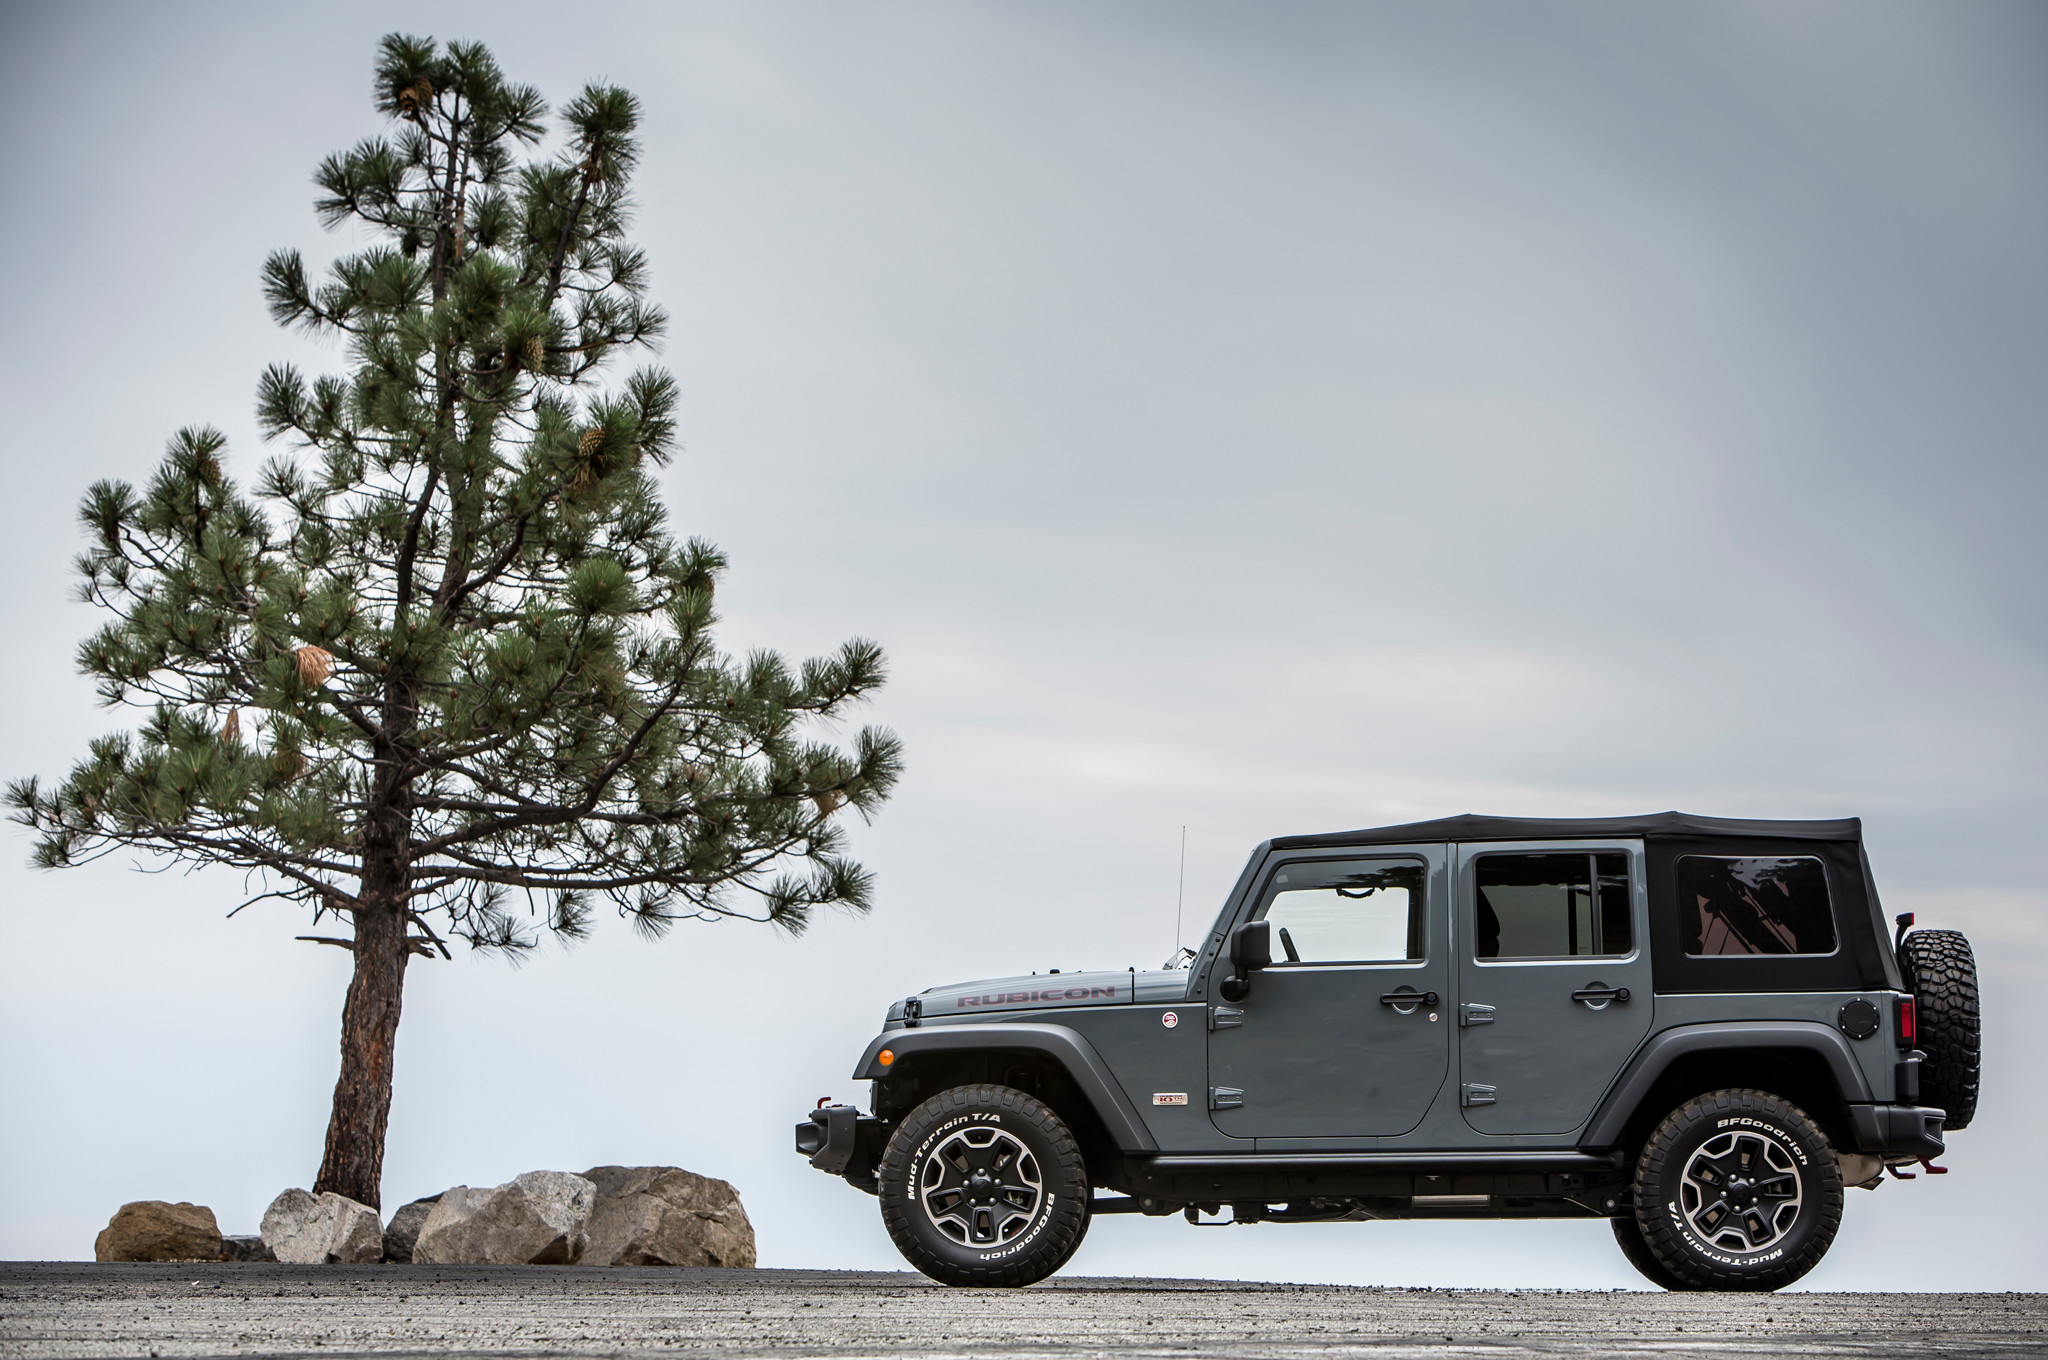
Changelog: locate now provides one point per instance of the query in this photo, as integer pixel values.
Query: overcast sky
(1254, 418)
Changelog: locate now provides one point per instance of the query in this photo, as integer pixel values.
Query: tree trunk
(354, 1164)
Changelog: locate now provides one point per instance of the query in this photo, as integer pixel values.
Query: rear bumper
(842, 1141)
(1897, 1131)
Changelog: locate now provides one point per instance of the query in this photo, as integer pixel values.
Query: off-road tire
(984, 1123)
(1941, 973)
(1628, 1235)
(1746, 1142)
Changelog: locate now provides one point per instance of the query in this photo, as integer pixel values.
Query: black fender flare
(1654, 1058)
(1064, 1046)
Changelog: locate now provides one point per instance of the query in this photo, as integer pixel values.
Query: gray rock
(155, 1230)
(666, 1216)
(404, 1228)
(244, 1248)
(537, 1219)
(322, 1230)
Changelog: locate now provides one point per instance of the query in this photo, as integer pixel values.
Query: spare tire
(1941, 973)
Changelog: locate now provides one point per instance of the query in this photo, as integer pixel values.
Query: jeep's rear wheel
(1737, 1190)
(1628, 1235)
(1941, 972)
(984, 1185)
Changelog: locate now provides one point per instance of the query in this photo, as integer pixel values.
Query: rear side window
(1758, 905)
(1347, 911)
(1556, 906)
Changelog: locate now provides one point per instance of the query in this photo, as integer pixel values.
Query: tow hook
(1932, 1169)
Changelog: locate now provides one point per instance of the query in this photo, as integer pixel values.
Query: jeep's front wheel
(1737, 1190)
(984, 1185)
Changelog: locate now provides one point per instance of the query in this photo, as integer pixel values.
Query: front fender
(1089, 1073)
(1667, 1047)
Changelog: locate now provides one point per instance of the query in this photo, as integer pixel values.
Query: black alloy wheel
(984, 1185)
(1737, 1190)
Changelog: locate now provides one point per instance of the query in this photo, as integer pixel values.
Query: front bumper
(842, 1141)
(1897, 1132)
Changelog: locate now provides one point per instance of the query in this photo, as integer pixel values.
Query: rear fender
(1811, 1040)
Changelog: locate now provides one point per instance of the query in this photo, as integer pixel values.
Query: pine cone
(587, 450)
(231, 730)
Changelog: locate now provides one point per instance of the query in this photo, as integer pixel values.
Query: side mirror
(1251, 948)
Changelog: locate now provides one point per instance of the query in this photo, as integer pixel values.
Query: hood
(1046, 991)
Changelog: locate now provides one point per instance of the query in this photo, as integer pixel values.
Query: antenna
(1181, 891)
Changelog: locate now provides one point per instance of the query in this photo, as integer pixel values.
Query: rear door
(1345, 1036)
(1553, 979)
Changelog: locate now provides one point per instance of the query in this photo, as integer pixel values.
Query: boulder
(666, 1216)
(153, 1230)
(404, 1228)
(322, 1230)
(244, 1248)
(537, 1219)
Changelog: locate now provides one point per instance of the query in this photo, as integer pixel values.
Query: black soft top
(1650, 825)
(1862, 959)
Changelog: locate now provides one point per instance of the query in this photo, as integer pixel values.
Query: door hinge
(1471, 1013)
(1225, 1098)
(1477, 1094)
(1225, 1017)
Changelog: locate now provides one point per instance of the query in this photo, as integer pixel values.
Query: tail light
(1908, 1025)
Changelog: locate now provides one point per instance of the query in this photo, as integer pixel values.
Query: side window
(1760, 905)
(1349, 911)
(1552, 906)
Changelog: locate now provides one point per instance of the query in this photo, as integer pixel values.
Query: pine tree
(446, 675)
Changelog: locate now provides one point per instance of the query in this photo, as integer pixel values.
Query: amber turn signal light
(885, 1057)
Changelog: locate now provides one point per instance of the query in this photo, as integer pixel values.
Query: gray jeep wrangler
(1698, 1029)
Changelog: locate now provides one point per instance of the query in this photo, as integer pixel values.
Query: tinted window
(1754, 906)
(1351, 911)
(1552, 906)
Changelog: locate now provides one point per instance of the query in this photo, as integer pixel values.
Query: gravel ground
(76, 1310)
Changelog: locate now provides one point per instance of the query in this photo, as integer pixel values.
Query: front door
(1553, 980)
(1346, 1035)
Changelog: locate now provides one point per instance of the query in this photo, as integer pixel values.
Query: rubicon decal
(1046, 994)
(1169, 1097)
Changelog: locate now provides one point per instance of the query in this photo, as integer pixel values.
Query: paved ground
(72, 1310)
